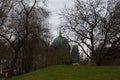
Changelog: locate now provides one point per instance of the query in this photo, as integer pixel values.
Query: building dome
(60, 50)
(60, 41)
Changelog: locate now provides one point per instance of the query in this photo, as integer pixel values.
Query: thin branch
(12, 45)
(80, 46)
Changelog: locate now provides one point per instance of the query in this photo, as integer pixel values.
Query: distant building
(60, 51)
(75, 55)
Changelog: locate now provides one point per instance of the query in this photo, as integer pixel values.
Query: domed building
(75, 55)
(60, 50)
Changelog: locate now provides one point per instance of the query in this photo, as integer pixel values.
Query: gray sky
(55, 6)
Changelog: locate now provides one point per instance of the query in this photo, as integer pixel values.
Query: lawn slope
(62, 72)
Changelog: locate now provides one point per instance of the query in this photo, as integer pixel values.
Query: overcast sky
(55, 7)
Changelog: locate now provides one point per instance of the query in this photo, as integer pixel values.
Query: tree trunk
(13, 64)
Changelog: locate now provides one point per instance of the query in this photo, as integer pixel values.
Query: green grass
(62, 72)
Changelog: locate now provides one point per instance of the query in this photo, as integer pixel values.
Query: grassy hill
(62, 72)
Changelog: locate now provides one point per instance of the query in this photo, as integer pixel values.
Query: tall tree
(90, 24)
(17, 24)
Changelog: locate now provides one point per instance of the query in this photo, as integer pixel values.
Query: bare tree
(17, 25)
(5, 7)
(89, 23)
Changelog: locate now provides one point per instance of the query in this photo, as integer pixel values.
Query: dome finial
(60, 34)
